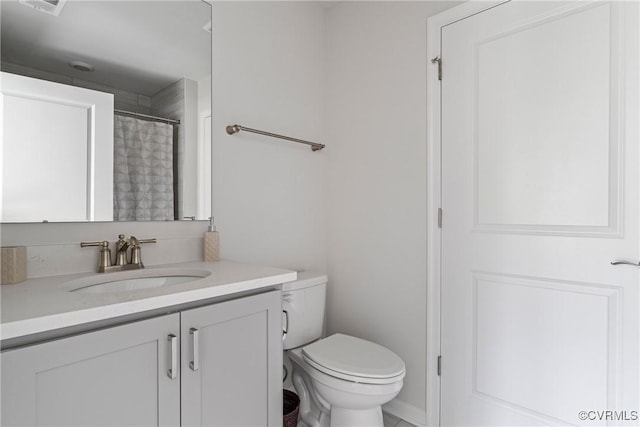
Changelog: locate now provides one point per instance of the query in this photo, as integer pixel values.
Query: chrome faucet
(121, 250)
(122, 245)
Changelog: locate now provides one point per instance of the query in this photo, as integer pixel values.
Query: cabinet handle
(195, 364)
(285, 326)
(173, 370)
(619, 262)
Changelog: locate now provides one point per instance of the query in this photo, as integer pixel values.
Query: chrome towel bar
(231, 129)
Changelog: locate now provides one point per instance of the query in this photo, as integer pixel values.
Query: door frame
(434, 193)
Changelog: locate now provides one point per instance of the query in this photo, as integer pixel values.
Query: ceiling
(139, 46)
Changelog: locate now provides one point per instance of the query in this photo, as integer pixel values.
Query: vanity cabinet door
(112, 377)
(232, 363)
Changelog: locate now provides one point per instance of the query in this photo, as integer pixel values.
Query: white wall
(377, 181)
(269, 194)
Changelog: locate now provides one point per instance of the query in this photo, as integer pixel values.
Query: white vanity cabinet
(120, 376)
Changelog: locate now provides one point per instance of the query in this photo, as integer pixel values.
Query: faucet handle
(103, 244)
(104, 260)
(134, 241)
(135, 250)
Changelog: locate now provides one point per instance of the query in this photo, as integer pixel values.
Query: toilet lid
(354, 359)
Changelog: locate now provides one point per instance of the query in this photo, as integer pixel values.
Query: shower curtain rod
(148, 117)
(231, 129)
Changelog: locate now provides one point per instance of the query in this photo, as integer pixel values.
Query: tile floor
(393, 421)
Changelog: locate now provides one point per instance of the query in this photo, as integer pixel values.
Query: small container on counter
(211, 243)
(13, 260)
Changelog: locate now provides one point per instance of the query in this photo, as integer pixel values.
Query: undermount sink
(135, 280)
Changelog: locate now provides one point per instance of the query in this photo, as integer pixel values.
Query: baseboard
(407, 412)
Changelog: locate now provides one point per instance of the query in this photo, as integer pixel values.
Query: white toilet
(342, 381)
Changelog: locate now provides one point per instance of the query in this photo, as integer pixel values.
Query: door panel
(238, 378)
(113, 377)
(550, 345)
(64, 136)
(542, 151)
(540, 192)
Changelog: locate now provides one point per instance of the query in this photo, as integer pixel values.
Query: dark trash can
(290, 407)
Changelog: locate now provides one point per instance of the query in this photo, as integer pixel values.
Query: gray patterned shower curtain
(142, 170)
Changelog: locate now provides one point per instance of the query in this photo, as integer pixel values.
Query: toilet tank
(303, 309)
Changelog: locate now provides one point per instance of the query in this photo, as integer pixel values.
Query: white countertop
(45, 304)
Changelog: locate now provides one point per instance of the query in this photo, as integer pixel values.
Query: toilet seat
(354, 359)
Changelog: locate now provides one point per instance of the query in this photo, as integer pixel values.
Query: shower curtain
(142, 170)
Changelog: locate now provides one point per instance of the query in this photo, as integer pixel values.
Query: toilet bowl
(342, 381)
(345, 394)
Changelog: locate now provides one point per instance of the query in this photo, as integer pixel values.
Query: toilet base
(341, 417)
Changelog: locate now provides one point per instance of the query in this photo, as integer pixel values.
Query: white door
(540, 192)
(56, 151)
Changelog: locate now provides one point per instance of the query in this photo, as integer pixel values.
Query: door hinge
(438, 60)
(439, 365)
(439, 217)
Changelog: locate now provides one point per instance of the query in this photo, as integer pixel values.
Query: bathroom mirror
(91, 89)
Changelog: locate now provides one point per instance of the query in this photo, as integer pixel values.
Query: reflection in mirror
(106, 110)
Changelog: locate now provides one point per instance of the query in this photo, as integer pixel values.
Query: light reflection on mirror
(154, 58)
